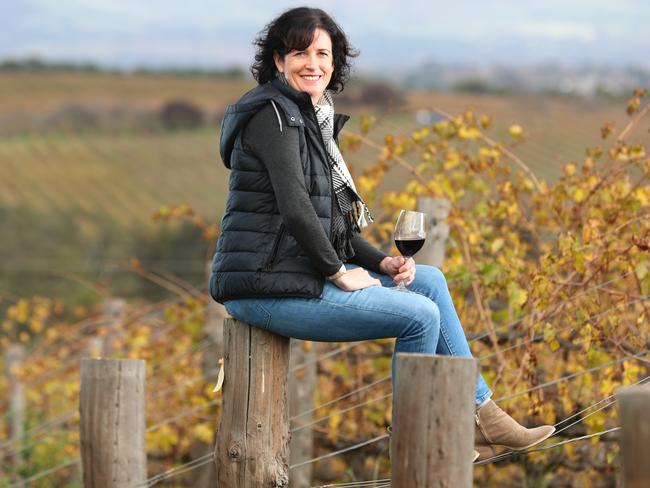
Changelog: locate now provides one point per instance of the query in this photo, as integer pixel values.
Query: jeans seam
(447, 340)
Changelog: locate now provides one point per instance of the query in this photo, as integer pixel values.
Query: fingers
(406, 274)
(356, 279)
(407, 264)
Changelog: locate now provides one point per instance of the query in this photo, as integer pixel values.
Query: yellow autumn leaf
(220, 376)
(579, 195)
(516, 131)
(516, 296)
(468, 132)
(569, 169)
(452, 160)
(203, 432)
(496, 245)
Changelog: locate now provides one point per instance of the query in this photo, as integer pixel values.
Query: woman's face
(309, 70)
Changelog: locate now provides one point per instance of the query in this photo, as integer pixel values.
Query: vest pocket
(273, 257)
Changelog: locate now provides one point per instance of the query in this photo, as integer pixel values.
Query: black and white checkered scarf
(351, 204)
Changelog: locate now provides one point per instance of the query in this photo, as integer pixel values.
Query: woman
(290, 258)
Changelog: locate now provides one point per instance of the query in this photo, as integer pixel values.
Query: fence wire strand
(512, 325)
(564, 329)
(340, 451)
(45, 473)
(349, 394)
(178, 470)
(509, 454)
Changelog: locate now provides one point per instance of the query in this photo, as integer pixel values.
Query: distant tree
(380, 94)
(180, 114)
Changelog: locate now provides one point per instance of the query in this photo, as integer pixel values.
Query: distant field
(45, 92)
(125, 177)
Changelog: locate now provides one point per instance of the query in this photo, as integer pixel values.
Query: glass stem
(401, 286)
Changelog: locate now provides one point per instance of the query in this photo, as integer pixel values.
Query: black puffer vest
(255, 256)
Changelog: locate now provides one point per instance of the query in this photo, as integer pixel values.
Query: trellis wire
(537, 387)
(508, 454)
(352, 484)
(608, 398)
(326, 355)
(569, 327)
(42, 474)
(349, 394)
(194, 464)
(184, 414)
(571, 376)
(338, 412)
(48, 423)
(514, 323)
(340, 451)
(195, 379)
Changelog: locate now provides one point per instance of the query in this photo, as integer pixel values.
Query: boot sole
(481, 448)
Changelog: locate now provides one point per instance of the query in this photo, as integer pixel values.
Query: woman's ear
(279, 62)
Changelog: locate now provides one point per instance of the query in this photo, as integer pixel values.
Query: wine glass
(409, 237)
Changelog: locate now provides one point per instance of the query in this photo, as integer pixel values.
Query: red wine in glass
(409, 236)
(408, 247)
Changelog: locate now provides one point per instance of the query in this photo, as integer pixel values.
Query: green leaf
(491, 272)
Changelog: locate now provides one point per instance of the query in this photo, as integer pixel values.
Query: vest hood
(238, 114)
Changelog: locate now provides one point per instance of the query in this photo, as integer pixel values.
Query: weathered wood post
(113, 315)
(16, 420)
(634, 419)
(206, 476)
(252, 449)
(433, 421)
(302, 383)
(437, 210)
(112, 422)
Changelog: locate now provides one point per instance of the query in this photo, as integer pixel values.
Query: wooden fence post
(252, 449)
(634, 419)
(433, 421)
(437, 210)
(16, 421)
(302, 383)
(206, 476)
(113, 315)
(112, 422)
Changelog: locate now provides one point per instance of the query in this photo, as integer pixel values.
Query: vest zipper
(276, 246)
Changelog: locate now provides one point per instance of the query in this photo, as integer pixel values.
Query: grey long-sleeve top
(279, 151)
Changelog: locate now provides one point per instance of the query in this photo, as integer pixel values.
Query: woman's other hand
(355, 279)
(400, 268)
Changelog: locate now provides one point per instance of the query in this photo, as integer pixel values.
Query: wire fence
(604, 403)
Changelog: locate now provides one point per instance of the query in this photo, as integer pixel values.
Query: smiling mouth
(311, 77)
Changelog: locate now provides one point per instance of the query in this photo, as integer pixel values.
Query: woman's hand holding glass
(355, 279)
(400, 268)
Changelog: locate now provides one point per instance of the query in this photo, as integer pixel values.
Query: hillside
(107, 182)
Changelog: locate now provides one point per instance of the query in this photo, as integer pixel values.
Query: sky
(390, 36)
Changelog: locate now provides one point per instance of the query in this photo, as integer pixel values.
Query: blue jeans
(425, 322)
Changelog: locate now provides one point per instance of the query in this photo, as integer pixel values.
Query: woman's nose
(311, 61)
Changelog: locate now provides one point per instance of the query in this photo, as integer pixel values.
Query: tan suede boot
(494, 427)
(389, 429)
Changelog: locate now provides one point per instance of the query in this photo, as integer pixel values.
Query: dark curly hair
(294, 30)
